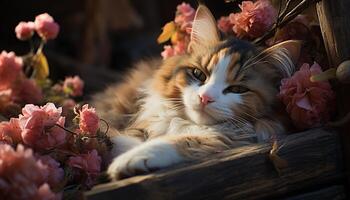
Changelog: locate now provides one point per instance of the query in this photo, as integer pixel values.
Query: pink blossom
(73, 86)
(57, 88)
(27, 91)
(56, 173)
(254, 19)
(225, 25)
(184, 16)
(89, 163)
(21, 175)
(10, 132)
(89, 121)
(8, 108)
(25, 30)
(45, 193)
(46, 27)
(308, 103)
(38, 126)
(67, 105)
(10, 68)
(180, 47)
(168, 52)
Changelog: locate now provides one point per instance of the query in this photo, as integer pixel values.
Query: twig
(285, 9)
(286, 17)
(74, 133)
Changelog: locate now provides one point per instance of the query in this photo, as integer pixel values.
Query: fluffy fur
(220, 95)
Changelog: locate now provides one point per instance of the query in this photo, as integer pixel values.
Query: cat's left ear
(284, 55)
(204, 29)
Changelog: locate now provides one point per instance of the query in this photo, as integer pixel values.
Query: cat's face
(215, 91)
(224, 81)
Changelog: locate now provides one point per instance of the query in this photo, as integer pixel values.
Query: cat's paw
(150, 156)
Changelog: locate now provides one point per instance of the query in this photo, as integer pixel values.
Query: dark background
(98, 39)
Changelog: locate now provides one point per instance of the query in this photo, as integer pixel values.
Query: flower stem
(74, 133)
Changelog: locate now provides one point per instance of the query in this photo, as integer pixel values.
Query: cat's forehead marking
(233, 66)
(216, 58)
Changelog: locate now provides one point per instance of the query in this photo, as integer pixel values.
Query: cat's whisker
(239, 123)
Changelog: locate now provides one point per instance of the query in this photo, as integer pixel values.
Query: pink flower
(56, 173)
(27, 91)
(45, 193)
(89, 121)
(180, 47)
(10, 132)
(38, 126)
(225, 25)
(168, 52)
(8, 108)
(57, 88)
(25, 30)
(46, 27)
(184, 16)
(73, 86)
(308, 103)
(10, 68)
(254, 19)
(89, 163)
(67, 105)
(21, 175)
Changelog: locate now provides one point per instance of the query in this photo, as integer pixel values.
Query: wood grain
(334, 18)
(335, 192)
(243, 173)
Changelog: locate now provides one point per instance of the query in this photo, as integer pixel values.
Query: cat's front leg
(166, 151)
(147, 157)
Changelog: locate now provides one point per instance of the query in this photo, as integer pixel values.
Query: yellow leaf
(41, 67)
(168, 30)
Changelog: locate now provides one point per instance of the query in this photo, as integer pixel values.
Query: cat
(220, 95)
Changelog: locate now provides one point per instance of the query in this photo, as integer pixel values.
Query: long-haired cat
(220, 95)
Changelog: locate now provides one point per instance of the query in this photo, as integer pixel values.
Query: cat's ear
(204, 29)
(284, 55)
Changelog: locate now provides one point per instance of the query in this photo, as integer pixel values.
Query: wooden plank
(243, 173)
(334, 18)
(335, 192)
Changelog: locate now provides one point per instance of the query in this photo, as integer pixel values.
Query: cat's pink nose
(205, 99)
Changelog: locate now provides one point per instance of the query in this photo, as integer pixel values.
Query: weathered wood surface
(313, 157)
(334, 17)
(335, 192)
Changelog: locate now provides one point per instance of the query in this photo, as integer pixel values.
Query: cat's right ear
(284, 56)
(204, 29)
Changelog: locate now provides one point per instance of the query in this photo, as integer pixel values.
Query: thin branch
(289, 16)
(74, 133)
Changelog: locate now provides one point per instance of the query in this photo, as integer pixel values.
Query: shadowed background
(98, 40)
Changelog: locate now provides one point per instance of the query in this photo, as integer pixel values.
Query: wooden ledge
(314, 160)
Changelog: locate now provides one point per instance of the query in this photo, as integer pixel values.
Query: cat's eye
(236, 89)
(199, 75)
